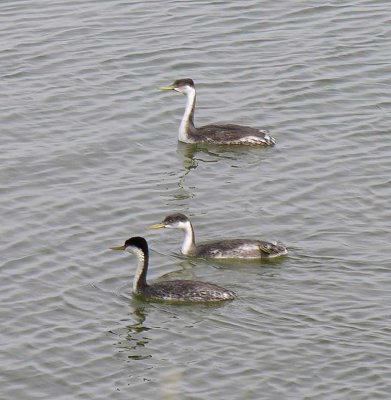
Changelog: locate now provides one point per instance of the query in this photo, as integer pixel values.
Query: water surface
(89, 156)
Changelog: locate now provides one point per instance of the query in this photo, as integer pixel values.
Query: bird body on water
(214, 133)
(179, 291)
(229, 248)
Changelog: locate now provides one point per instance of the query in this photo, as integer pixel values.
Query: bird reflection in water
(194, 154)
(132, 337)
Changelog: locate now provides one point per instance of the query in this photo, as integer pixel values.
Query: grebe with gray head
(171, 291)
(214, 133)
(229, 248)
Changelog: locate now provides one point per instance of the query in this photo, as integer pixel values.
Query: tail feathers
(269, 140)
(273, 249)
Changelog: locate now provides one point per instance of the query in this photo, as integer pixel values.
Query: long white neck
(140, 277)
(188, 245)
(187, 123)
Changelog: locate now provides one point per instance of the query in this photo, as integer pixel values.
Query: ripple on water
(90, 157)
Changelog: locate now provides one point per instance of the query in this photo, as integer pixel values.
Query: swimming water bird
(214, 133)
(230, 248)
(172, 291)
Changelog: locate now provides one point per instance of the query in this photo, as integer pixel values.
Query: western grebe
(174, 291)
(230, 248)
(218, 134)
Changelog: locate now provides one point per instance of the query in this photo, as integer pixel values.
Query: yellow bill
(170, 87)
(117, 248)
(156, 226)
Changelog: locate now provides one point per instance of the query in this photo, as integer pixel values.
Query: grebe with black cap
(228, 248)
(214, 133)
(171, 291)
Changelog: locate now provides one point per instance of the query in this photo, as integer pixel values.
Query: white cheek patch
(184, 89)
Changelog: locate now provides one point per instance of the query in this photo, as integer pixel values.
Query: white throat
(140, 267)
(187, 123)
(189, 243)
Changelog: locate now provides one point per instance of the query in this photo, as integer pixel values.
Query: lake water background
(89, 157)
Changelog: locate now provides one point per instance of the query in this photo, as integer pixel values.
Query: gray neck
(140, 277)
(187, 123)
(188, 246)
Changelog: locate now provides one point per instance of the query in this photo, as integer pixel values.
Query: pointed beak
(117, 248)
(157, 226)
(170, 87)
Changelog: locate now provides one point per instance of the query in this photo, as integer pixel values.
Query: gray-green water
(89, 156)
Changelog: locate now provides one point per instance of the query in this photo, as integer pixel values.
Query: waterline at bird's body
(170, 291)
(213, 133)
(229, 248)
